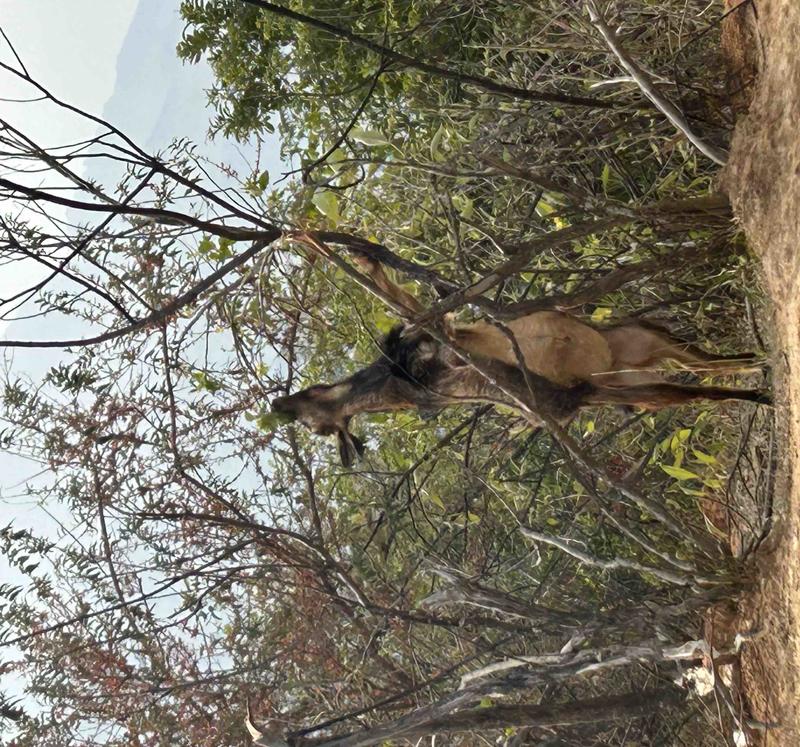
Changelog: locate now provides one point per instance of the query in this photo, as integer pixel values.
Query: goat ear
(350, 447)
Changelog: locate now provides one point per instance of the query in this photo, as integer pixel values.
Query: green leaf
(336, 160)
(256, 185)
(473, 518)
(205, 382)
(679, 473)
(610, 180)
(601, 313)
(436, 154)
(668, 181)
(701, 456)
(218, 252)
(206, 245)
(679, 438)
(223, 251)
(605, 176)
(328, 204)
(270, 421)
(436, 500)
(465, 206)
(383, 321)
(368, 137)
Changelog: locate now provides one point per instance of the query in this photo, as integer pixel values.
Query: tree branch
(159, 315)
(479, 81)
(642, 79)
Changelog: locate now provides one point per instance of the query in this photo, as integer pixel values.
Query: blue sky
(109, 57)
(115, 58)
(71, 45)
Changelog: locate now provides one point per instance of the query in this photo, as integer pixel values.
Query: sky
(71, 46)
(114, 58)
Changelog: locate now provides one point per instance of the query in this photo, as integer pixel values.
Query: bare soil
(762, 44)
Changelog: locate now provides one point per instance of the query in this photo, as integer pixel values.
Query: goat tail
(656, 396)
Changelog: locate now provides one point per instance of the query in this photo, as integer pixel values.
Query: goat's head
(323, 409)
(397, 380)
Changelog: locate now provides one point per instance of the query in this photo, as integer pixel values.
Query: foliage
(271, 71)
(210, 555)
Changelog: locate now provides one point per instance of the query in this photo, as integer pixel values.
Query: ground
(762, 179)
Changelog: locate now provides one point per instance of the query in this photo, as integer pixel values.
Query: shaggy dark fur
(414, 358)
(419, 359)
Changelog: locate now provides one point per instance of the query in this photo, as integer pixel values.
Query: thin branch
(168, 217)
(667, 108)
(158, 316)
(479, 81)
(82, 618)
(352, 123)
(670, 576)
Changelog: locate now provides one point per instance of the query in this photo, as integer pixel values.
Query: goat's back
(554, 345)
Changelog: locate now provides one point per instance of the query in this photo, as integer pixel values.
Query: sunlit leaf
(368, 137)
(436, 500)
(679, 473)
(601, 313)
(327, 203)
(703, 457)
(436, 140)
(270, 421)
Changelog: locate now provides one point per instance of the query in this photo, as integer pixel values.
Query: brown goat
(566, 350)
(570, 365)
